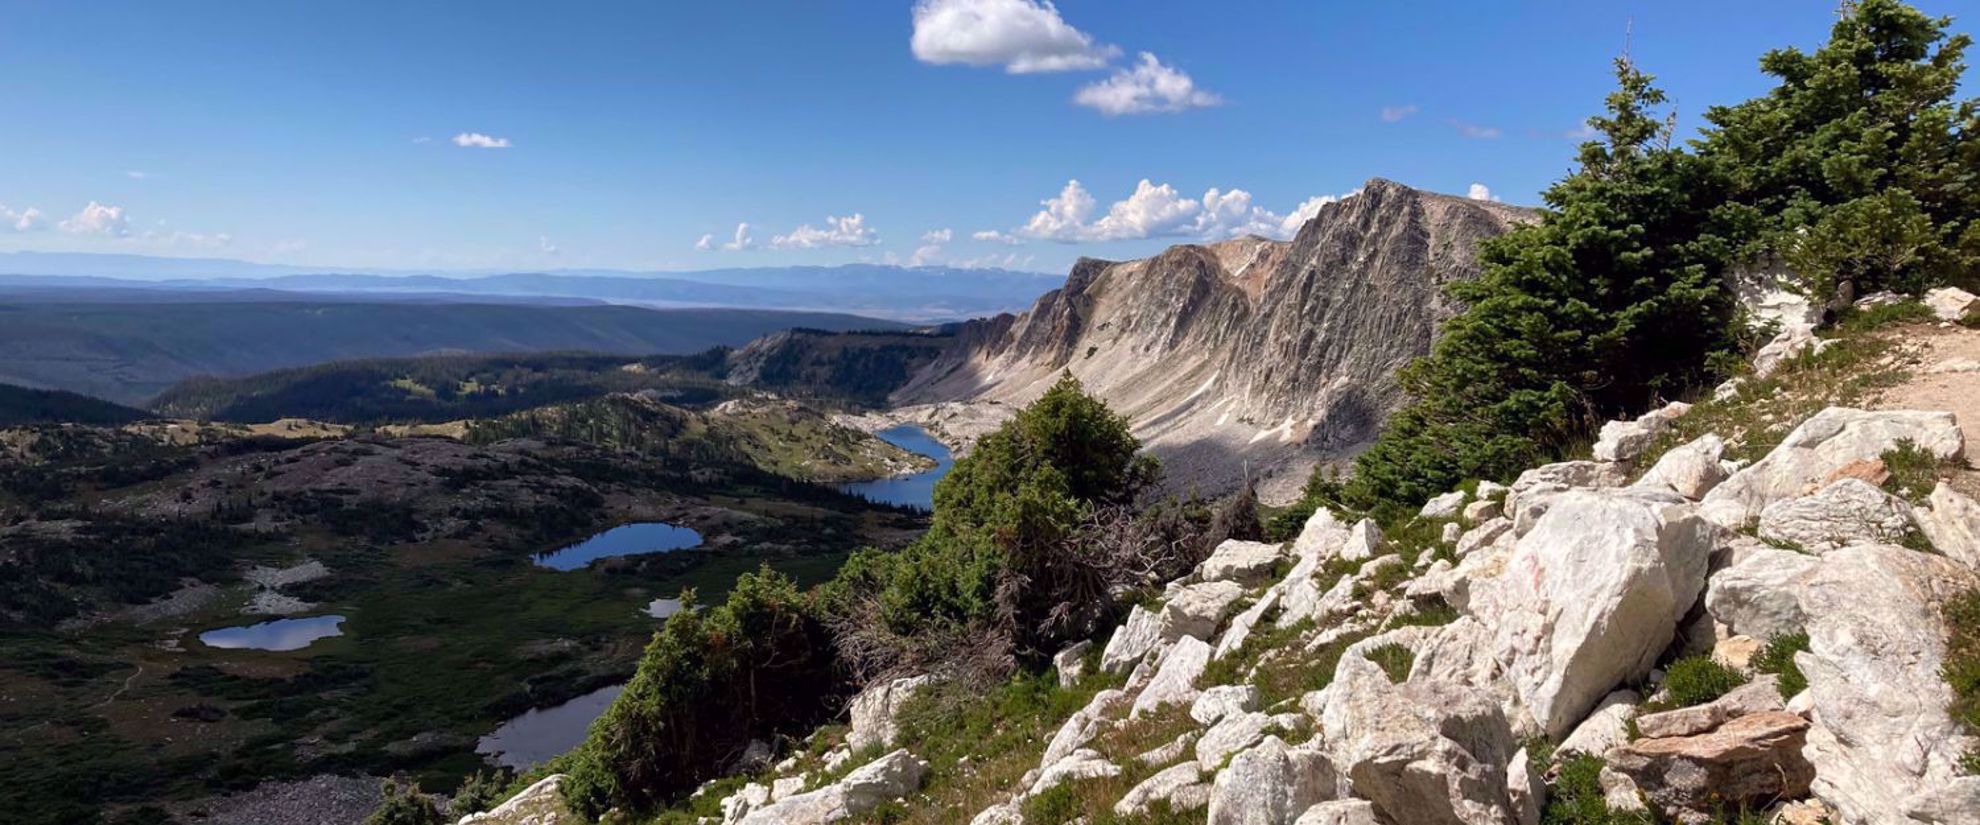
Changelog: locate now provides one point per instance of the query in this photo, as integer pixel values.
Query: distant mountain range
(917, 294)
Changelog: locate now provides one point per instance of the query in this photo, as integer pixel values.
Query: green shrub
(1577, 798)
(404, 805)
(1778, 658)
(755, 666)
(1031, 532)
(478, 793)
(1914, 471)
(1695, 680)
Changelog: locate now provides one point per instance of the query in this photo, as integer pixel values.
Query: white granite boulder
(1823, 444)
(1591, 595)
(1849, 511)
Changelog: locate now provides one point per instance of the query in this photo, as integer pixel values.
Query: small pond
(280, 634)
(539, 735)
(914, 490)
(624, 540)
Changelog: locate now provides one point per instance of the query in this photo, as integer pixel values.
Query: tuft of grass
(1778, 658)
(1914, 471)
(1853, 320)
(1856, 362)
(1576, 798)
(1394, 660)
(1695, 680)
(1962, 667)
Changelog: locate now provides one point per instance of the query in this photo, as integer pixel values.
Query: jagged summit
(1245, 355)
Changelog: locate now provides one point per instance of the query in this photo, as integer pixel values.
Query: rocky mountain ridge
(1246, 355)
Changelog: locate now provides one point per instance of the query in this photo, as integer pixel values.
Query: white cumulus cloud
(1157, 211)
(938, 236)
(477, 140)
(1480, 192)
(995, 236)
(28, 219)
(1148, 87)
(98, 219)
(1023, 36)
(847, 231)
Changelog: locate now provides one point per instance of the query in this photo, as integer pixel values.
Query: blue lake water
(539, 735)
(624, 540)
(918, 489)
(280, 634)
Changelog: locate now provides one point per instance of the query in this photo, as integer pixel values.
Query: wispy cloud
(477, 140)
(1391, 114)
(995, 236)
(1023, 36)
(1475, 131)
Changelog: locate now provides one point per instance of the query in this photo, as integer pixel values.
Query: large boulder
(1175, 679)
(1221, 701)
(1950, 303)
(1083, 725)
(1748, 762)
(1762, 695)
(1571, 474)
(1952, 524)
(1823, 444)
(1884, 747)
(1785, 346)
(1760, 595)
(1165, 786)
(1443, 506)
(1364, 541)
(890, 777)
(1590, 597)
(1199, 609)
(1231, 734)
(1624, 441)
(1849, 511)
(1424, 752)
(874, 710)
(1245, 621)
(1321, 537)
(1271, 784)
(1134, 639)
(1080, 764)
(539, 804)
(1070, 663)
(1245, 562)
(1690, 470)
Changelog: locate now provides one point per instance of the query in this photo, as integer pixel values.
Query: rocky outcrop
(1833, 438)
(1748, 762)
(874, 709)
(1850, 511)
(1591, 596)
(890, 777)
(1271, 784)
(1243, 352)
(539, 804)
(1423, 752)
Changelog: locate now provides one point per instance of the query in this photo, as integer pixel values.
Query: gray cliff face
(1248, 355)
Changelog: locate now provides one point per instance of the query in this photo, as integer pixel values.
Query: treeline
(22, 405)
(1859, 171)
(443, 388)
(1036, 536)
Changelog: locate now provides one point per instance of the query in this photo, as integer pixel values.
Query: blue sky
(624, 134)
